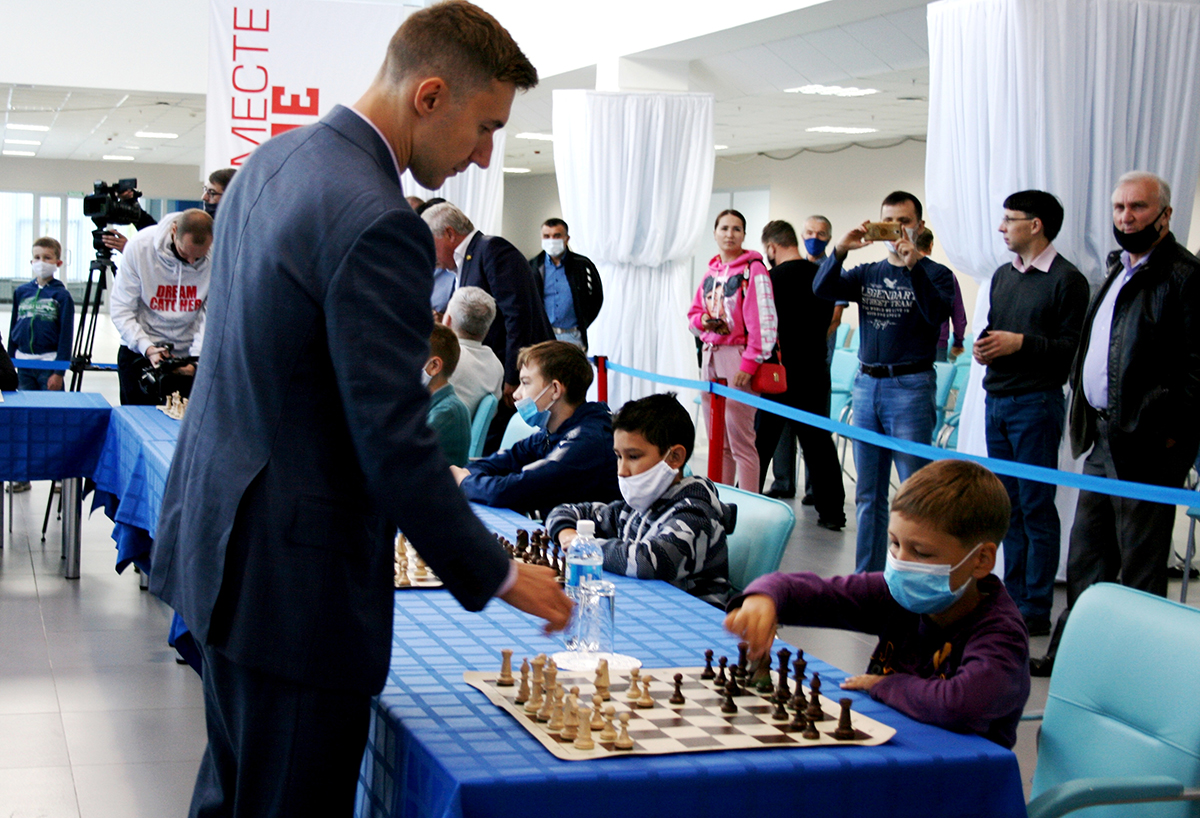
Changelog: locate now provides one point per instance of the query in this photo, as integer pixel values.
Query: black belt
(895, 370)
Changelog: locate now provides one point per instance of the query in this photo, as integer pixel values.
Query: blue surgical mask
(527, 409)
(921, 587)
(815, 246)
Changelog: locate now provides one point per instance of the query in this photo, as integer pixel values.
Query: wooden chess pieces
(708, 672)
(570, 727)
(729, 705)
(609, 733)
(845, 730)
(720, 680)
(743, 652)
(635, 691)
(506, 675)
(583, 741)
(623, 741)
(732, 687)
(782, 691)
(646, 699)
(780, 712)
(556, 714)
(523, 690)
(798, 724)
(798, 666)
(602, 680)
(814, 712)
(677, 696)
(597, 720)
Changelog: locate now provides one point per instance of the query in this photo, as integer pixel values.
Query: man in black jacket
(1038, 301)
(1136, 396)
(568, 284)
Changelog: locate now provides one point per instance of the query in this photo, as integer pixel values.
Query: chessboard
(535, 549)
(707, 719)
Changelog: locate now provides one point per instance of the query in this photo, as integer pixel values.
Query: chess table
(440, 749)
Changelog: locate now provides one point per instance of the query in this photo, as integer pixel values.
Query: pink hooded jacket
(740, 293)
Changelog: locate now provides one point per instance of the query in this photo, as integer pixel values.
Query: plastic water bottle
(585, 561)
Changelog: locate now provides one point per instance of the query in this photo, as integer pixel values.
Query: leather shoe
(1041, 666)
(832, 525)
(808, 500)
(1037, 627)
(780, 494)
(1176, 572)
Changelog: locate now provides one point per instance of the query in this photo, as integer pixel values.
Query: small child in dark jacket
(667, 526)
(43, 318)
(953, 650)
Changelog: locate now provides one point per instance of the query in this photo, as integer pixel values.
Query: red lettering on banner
(241, 132)
(282, 127)
(237, 48)
(258, 90)
(237, 161)
(294, 107)
(250, 21)
(249, 114)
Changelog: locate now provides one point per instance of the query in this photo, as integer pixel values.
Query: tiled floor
(97, 719)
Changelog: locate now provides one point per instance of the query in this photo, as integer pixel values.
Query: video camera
(111, 204)
(151, 379)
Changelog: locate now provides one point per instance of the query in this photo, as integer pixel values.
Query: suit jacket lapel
(469, 259)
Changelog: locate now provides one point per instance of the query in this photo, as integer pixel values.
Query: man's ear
(430, 95)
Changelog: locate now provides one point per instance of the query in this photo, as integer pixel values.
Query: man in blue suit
(305, 444)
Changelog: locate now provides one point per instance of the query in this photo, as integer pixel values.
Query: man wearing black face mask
(1136, 396)
(218, 180)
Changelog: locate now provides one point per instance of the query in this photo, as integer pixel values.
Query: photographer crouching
(157, 305)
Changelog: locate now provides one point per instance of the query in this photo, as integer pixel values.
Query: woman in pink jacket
(734, 315)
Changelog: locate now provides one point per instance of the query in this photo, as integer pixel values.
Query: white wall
(528, 201)
(73, 176)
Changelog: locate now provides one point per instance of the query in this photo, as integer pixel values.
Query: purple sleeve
(991, 682)
(958, 314)
(859, 602)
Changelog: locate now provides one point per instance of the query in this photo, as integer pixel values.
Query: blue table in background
(440, 749)
(53, 436)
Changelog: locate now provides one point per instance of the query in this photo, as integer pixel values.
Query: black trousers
(277, 748)
(820, 453)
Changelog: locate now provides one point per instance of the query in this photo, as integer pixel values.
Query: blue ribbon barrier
(33, 363)
(1040, 474)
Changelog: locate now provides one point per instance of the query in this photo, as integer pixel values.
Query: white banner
(275, 65)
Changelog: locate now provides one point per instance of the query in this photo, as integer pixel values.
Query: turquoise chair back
(484, 412)
(1124, 699)
(517, 429)
(839, 336)
(945, 379)
(852, 340)
(841, 381)
(758, 540)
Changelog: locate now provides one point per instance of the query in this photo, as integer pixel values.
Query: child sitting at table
(953, 650)
(447, 415)
(667, 526)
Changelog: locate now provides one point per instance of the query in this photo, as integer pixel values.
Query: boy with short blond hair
(666, 526)
(953, 650)
(43, 319)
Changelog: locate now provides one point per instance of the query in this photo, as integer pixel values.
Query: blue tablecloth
(440, 749)
(131, 475)
(51, 435)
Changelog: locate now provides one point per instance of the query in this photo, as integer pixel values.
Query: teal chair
(852, 340)
(758, 540)
(484, 412)
(839, 336)
(517, 429)
(1122, 718)
(841, 382)
(945, 379)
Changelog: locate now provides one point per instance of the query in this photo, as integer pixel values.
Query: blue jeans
(1028, 429)
(900, 407)
(33, 380)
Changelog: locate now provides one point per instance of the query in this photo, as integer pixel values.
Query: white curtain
(635, 175)
(1063, 96)
(478, 192)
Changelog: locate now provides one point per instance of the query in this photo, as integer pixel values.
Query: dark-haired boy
(953, 650)
(666, 526)
(448, 416)
(569, 459)
(1038, 302)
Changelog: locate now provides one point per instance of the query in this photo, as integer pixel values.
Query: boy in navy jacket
(43, 319)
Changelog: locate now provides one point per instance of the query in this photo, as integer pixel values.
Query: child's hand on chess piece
(754, 622)
(863, 681)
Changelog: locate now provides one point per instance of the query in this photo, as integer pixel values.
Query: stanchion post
(716, 441)
(602, 378)
(70, 528)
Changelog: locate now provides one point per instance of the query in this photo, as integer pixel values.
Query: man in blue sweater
(569, 459)
(902, 303)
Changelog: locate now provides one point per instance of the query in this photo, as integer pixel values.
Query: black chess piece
(814, 712)
(732, 687)
(729, 705)
(782, 691)
(743, 652)
(810, 732)
(800, 666)
(720, 680)
(677, 696)
(780, 712)
(708, 672)
(798, 723)
(845, 730)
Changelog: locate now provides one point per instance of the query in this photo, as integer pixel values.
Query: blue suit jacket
(305, 443)
(495, 265)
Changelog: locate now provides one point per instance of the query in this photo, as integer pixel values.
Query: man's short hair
(443, 343)
(924, 241)
(50, 244)
(472, 309)
(816, 217)
(222, 177)
(781, 233)
(661, 419)
(556, 222)
(957, 497)
(195, 223)
(562, 362)
(445, 215)
(459, 42)
(1164, 189)
(900, 197)
(421, 208)
(1038, 204)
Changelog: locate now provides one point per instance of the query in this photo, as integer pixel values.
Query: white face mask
(642, 490)
(43, 270)
(554, 247)
(912, 236)
(426, 378)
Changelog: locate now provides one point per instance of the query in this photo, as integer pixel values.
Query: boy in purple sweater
(953, 650)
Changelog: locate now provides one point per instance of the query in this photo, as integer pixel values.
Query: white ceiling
(746, 70)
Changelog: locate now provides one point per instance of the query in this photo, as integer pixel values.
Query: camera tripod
(85, 335)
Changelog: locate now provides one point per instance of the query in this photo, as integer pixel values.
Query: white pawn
(609, 733)
(597, 720)
(624, 742)
(634, 689)
(646, 700)
(584, 740)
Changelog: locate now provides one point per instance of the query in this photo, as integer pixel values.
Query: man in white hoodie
(158, 299)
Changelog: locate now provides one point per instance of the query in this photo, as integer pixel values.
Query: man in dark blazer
(568, 271)
(495, 265)
(305, 445)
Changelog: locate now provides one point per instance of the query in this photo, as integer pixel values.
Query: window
(16, 234)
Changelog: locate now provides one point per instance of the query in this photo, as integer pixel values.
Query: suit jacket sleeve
(511, 282)
(378, 324)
